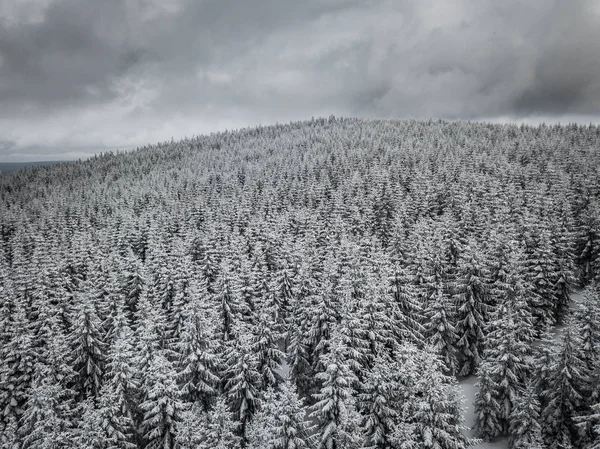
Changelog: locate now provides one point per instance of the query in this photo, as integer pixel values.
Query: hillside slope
(153, 296)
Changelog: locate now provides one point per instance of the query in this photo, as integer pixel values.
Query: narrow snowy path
(468, 390)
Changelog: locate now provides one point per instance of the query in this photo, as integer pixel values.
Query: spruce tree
(525, 429)
(213, 429)
(120, 393)
(471, 294)
(281, 422)
(564, 392)
(408, 308)
(47, 420)
(197, 361)
(507, 352)
(86, 341)
(488, 411)
(243, 381)
(265, 347)
(162, 406)
(335, 406)
(18, 357)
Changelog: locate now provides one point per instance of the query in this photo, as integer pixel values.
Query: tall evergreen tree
(86, 341)
(162, 405)
(281, 422)
(471, 294)
(198, 364)
(488, 410)
(243, 382)
(525, 429)
(564, 393)
(335, 407)
(215, 429)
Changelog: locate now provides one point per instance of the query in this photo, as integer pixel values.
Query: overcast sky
(78, 77)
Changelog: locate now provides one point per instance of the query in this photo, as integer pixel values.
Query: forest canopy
(319, 284)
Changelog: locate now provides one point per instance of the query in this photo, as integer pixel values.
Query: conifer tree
(215, 429)
(281, 421)
(88, 347)
(488, 411)
(471, 293)
(543, 273)
(589, 427)
(47, 421)
(507, 352)
(227, 303)
(162, 405)
(18, 357)
(380, 404)
(587, 319)
(119, 396)
(335, 407)
(525, 429)
(243, 382)
(198, 364)
(264, 346)
(408, 308)
(134, 283)
(564, 392)
(89, 431)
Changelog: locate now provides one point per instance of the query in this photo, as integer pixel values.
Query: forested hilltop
(320, 284)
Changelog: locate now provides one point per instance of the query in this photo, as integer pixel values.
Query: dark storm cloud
(78, 77)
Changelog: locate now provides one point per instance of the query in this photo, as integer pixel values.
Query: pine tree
(471, 293)
(215, 429)
(281, 421)
(488, 411)
(162, 405)
(197, 361)
(264, 346)
(335, 408)
(525, 429)
(47, 419)
(119, 395)
(564, 394)
(88, 347)
(243, 382)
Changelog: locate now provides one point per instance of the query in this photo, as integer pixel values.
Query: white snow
(468, 390)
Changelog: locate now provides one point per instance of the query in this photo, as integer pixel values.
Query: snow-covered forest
(322, 284)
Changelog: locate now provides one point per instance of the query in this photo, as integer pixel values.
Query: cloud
(81, 77)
